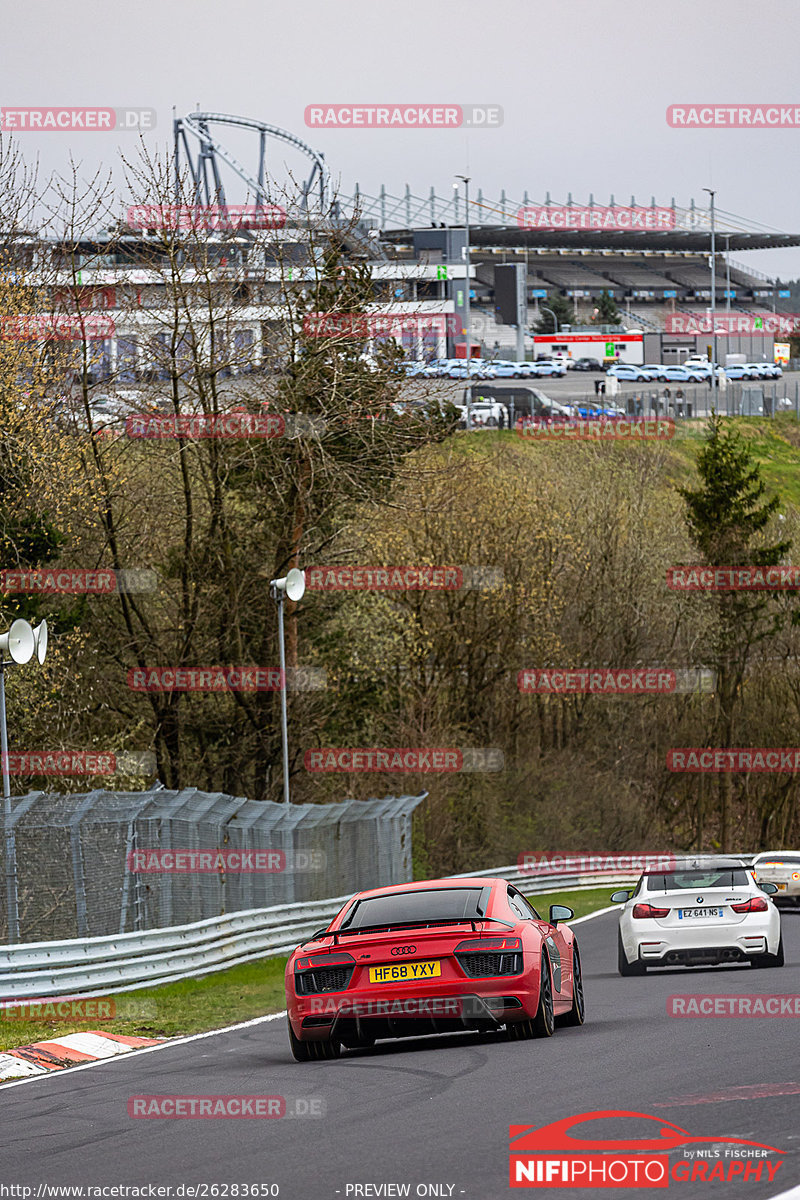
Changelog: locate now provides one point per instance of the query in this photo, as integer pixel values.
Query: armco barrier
(125, 962)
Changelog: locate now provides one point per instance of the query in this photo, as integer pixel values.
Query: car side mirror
(769, 888)
(620, 897)
(560, 912)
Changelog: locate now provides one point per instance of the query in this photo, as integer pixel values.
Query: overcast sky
(584, 86)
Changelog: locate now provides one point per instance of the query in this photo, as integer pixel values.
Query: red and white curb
(69, 1051)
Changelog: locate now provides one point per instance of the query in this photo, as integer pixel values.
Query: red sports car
(433, 957)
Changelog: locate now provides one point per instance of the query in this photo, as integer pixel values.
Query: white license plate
(694, 914)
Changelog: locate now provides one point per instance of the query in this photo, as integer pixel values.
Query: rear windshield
(668, 881)
(781, 860)
(397, 908)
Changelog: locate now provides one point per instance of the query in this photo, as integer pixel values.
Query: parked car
(588, 412)
(554, 411)
(683, 374)
(766, 370)
(630, 372)
(549, 367)
(703, 369)
(557, 357)
(484, 414)
(587, 364)
(506, 369)
(475, 369)
(741, 371)
(436, 368)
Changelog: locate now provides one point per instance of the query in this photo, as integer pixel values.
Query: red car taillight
(497, 943)
(647, 910)
(482, 958)
(323, 973)
(307, 962)
(754, 905)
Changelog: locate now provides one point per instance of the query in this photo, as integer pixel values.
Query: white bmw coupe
(699, 911)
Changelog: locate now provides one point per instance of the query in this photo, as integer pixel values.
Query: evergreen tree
(564, 311)
(727, 518)
(606, 312)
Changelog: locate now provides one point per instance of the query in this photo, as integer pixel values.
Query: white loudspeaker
(40, 641)
(293, 584)
(18, 643)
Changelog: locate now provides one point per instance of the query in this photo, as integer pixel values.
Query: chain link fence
(99, 863)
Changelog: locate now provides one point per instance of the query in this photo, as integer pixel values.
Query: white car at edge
(700, 911)
(781, 867)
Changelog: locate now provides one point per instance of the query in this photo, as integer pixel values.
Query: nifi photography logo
(659, 1155)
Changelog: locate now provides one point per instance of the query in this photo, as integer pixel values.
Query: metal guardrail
(126, 962)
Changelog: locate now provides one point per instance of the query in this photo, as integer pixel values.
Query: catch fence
(104, 863)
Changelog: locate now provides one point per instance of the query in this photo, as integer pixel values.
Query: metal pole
(728, 276)
(712, 193)
(552, 314)
(4, 729)
(10, 848)
(284, 727)
(467, 300)
(467, 308)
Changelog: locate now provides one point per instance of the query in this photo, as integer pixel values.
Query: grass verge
(582, 902)
(196, 1005)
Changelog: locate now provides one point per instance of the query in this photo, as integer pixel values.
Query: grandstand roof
(596, 239)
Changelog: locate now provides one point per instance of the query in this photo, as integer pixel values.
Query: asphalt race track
(434, 1111)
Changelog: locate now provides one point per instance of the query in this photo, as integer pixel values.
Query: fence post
(78, 874)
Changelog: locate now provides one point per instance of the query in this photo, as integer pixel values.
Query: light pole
(714, 382)
(728, 275)
(552, 314)
(467, 309)
(292, 585)
(19, 644)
